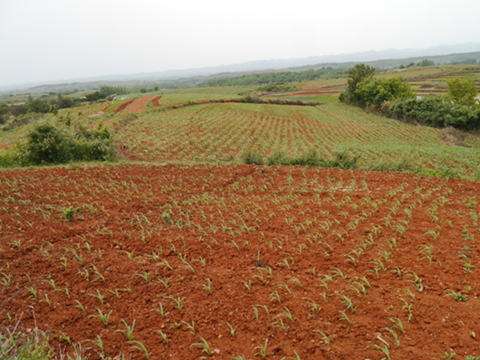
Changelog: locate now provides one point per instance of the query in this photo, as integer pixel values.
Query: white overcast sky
(43, 40)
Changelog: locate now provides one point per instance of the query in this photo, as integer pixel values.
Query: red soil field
(138, 105)
(319, 263)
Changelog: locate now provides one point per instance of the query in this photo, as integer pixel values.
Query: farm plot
(224, 132)
(241, 262)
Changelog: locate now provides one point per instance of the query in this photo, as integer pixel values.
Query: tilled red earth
(137, 105)
(270, 263)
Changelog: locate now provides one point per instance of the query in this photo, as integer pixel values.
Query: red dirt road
(138, 105)
(326, 264)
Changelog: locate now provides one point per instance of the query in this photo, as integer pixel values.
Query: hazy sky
(44, 40)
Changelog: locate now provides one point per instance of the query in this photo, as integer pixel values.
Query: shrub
(356, 75)
(462, 91)
(341, 160)
(104, 92)
(374, 92)
(437, 112)
(252, 158)
(47, 144)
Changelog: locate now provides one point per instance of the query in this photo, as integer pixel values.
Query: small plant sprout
(99, 344)
(348, 303)
(427, 252)
(208, 286)
(145, 275)
(103, 317)
(141, 347)
(189, 326)
(417, 282)
(69, 213)
(163, 336)
(161, 310)
(129, 329)
(203, 345)
(326, 339)
(5, 280)
(33, 292)
(344, 317)
(80, 306)
(262, 350)
(231, 329)
(457, 296)
(178, 302)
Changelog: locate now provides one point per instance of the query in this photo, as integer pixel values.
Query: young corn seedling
(231, 329)
(80, 306)
(457, 296)
(33, 292)
(145, 275)
(6, 280)
(344, 317)
(203, 345)
(103, 317)
(348, 303)
(189, 326)
(161, 310)
(208, 286)
(427, 252)
(178, 302)
(128, 331)
(262, 350)
(326, 339)
(163, 336)
(141, 347)
(418, 282)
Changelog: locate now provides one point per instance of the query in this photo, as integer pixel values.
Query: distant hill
(381, 59)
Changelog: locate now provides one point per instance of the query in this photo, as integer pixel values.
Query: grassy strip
(343, 160)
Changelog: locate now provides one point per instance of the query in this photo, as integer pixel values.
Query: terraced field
(224, 132)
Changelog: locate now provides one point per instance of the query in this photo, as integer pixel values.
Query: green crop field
(224, 132)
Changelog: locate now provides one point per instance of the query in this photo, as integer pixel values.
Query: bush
(252, 158)
(104, 92)
(462, 91)
(375, 92)
(341, 160)
(437, 112)
(356, 75)
(47, 144)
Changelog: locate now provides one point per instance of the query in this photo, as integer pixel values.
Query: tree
(375, 92)
(356, 75)
(462, 91)
(426, 62)
(3, 113)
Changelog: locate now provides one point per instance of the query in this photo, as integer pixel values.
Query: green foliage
(257, 100)
(38, 105)
(277, 88)
(277, 77)
(3, 113)
(104, 92)
(252, 158)
(462, 91)
(341, 160)
(425, 63)
(68, 214)
(356, 75)
(15, 345)
(375, 92)
(47, 144)
(437, 112)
